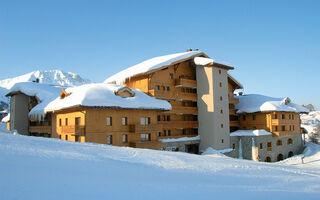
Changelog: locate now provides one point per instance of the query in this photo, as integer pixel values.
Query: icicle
(240, 150)
(254, 156)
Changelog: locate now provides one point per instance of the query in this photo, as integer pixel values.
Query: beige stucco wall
(213, 124)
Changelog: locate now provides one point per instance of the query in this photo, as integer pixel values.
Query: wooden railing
(147, 144)
(76, 130)
(184, 110)
(179, 124)
(183, 82)
(39, 129)
(137, 128)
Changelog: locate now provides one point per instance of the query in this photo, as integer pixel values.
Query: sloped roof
(252, 103)
(104, 95)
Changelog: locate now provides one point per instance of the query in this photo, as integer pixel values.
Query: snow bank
(210, 152)
(6, 119)
(148, 65)
(46, 168)
(258, 103)
(250, 133)
(103, 95)
(45, 93)
(182, 139)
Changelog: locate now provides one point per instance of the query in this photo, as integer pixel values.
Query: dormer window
(64, 94)
(125, 92)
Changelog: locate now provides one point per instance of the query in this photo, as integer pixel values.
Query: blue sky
(274, 45)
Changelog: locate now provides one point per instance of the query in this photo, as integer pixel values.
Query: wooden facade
(177, 84)
(120, 127)
(278, 123)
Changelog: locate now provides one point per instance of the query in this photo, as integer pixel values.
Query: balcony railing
(235, 123)
(147, 144)
(179, 124)
(138, 128)
(184, 110)
(40, 129)
(76, 130)
(183, 82)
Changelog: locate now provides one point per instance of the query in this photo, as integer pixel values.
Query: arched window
(279, 143)
(290, 154)
(268, 159)
(280, 157)
(290, 141)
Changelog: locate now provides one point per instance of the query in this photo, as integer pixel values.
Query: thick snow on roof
(103, 95)
(257, 103)
(6, 119)
(45, 93)
(250, 133)
(202, 61)
(148, 65)
(183, 139)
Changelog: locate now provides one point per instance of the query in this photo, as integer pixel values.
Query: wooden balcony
(233, 100)
(184, 110)
(183, 82)
(75, 130)
(40, 129)
(138, 128)
(187, 96)
(173, 95)
(146, 144)
(232, 111)
(179, 124)
(235, 123)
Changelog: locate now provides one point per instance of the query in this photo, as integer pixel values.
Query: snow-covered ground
(46, 168)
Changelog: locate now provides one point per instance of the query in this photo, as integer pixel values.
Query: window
(60, 137)
(182, 90)
(244, 117)
(221, 111)
(289, 116)
(60, 122)
(279, 143)
(254, 128)
(77, 121)
(109, 139)
(222, 140)
(159, 118)
(283, 128)
(220, 84)
(144, 121)
(219, 71)
(145, 137)
(171, 76)
(109, 121)
(183, 131)
(269, 146)
(168, 132)
(290, 141)
(124, 138)
(268, 159)
(124, 121)
(221, 125)
(292, 116)
(168, 117)
(157, 87)
(275, 116)
(293, 127)
(261, 146)
(254, 117)
(66, 120)
(159, 134)
(283, 116)
(233, 146)
(66, 137)
(220, 98)
(167, 88)
(275, 128)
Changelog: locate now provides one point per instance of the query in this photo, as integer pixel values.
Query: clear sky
(273, 45)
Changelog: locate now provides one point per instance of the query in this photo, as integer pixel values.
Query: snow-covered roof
(260, 132)
(6, 119)
(150, 65)
(103, 95)
(252, 103)
(45, 94)
(182, 139)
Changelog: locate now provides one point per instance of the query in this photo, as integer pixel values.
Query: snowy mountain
(47, 168)
(51, 77)
(311, 122)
